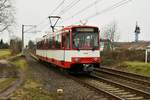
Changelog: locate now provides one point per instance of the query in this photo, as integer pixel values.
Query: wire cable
(69, 7)
(82, 10)
(114, 6)
(59, 5)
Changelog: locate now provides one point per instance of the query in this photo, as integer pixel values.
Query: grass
(5, 82)
(137, 67)
(20, 63)
(31, 84)
(31, 90)
(4, 53)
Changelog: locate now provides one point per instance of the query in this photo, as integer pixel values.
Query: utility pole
(24, 31)
(147, 49)
(22, 38)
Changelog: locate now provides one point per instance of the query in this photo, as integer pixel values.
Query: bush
(114, 57)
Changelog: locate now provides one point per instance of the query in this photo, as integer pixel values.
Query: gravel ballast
(58, 86)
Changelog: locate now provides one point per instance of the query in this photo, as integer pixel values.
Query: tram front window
(85, 40)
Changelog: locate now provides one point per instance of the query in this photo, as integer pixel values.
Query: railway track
(116, 90)
(130, 86)
(85, 83)
(133, 80)
(123, 91)
(146, 80)
(110, 89)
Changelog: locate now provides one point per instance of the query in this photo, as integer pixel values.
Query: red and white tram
(75, 48)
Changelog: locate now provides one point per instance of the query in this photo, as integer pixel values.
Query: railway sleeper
(129, 95)
(124, 94)
(135, 98)
(117, 91)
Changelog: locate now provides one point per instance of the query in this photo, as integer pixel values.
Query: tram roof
(74, 26)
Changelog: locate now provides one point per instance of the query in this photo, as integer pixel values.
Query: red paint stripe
(66, 65)
(61, 64)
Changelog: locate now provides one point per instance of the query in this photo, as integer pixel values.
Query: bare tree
(31, 44)
(110, 33)
(6, 15)
(15, 45)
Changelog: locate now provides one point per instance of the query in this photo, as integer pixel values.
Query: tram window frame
(67, 40)
(63, 40)
(58, 41)
(50, 42)
(37, 45)
(41, 44)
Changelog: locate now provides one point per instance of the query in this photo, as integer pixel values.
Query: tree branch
(2, 4)
(4, 28)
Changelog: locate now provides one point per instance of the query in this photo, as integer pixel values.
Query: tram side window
(37, 47)
(67, 40)
(63, 41)
(50, 43)
(58, 41)
(39, 44)
(42, 44)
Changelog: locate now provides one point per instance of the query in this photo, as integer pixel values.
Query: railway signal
(137, 32)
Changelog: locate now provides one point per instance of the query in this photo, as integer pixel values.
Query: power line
(114, 6)
(84, 9)
(70, 6)
(61, 3)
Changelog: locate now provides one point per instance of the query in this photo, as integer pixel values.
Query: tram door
(65, 44)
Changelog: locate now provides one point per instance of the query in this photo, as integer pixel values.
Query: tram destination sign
(86, 29)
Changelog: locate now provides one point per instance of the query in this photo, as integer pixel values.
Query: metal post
(22, 38)
(146, 56)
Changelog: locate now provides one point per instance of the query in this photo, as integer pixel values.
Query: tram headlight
(96, 59)
(76, 59)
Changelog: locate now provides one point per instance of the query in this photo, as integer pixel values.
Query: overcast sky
(33, 12)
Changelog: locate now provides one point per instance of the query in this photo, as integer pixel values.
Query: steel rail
(98, 90)
(127, 73)
(138, 92)
(128, 76)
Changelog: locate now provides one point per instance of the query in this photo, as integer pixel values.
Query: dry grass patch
(4, 53)
(21, 64)
(137, 67)
(5, 82)
(31, 90)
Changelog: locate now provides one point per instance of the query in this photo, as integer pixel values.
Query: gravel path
(53, 81)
